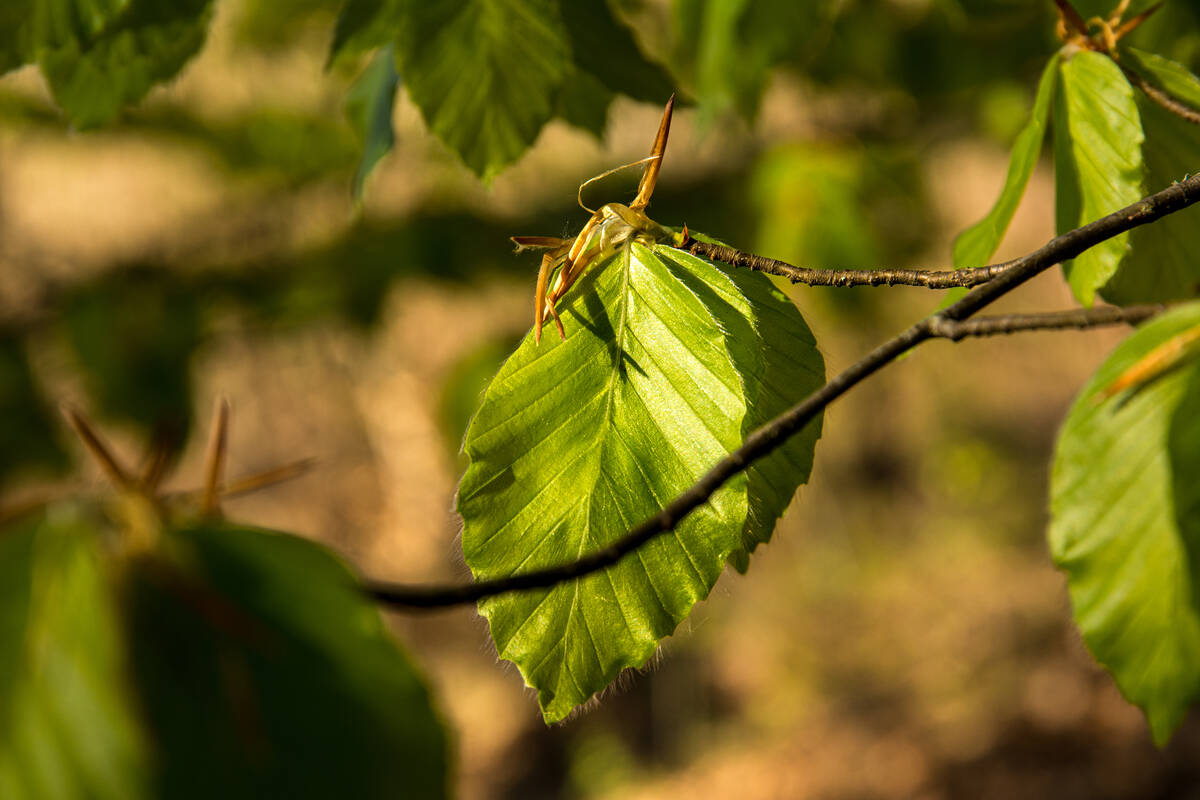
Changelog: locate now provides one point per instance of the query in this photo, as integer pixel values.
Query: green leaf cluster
(143, 659)
(1125, 523)
(1112, 146)
(668, 362)
(101, 55)
(487, 75)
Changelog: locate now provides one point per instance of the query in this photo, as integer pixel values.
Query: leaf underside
(1125, 524)
(579, 440)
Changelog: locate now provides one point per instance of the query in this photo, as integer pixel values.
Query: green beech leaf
(1162, 263)
(606, 49)
(141, 660)
(369, 104)
(99, 57)
(1124, 525)
(577, 441)
(1097, 161)
(776, 355)
(485, 74)
(975, 246)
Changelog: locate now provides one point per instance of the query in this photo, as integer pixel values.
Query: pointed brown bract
(215, 461)
(612, 223)
(657, 151)
(97, 448)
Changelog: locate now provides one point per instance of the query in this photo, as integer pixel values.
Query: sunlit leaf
(777, 358)
(1097, 161)
(1123, 525)
(577, 441)
(369, 104)
(485, 74)
(1162, 264)
(975, 246)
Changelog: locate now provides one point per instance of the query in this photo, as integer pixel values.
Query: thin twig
(930, 279)
(1081, 318)
(214, 468)
(771, 436)
(98, 449)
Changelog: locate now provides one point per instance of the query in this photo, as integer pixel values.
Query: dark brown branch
(772, 435)
(1081, 318)
(930, 279)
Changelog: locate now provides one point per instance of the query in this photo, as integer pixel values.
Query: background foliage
(817, 128)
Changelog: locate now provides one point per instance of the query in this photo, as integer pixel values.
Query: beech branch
(930, 279)
(1079, 318)
(771, 436)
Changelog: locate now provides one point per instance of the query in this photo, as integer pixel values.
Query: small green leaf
(975, 246)
(369, 104)
(1123, 524)
(605, 48)
(1097, 160)
(668, 363)
(109, 55)
(485, 74)
(1162, 264)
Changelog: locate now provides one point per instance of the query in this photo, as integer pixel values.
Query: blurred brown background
(904, 635)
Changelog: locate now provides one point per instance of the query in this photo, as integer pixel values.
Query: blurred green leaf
(1122, 493)
(265, 672)
(146, 661)
(975, 246)
(606, 49)
(69, 729)
(99, 57)
(485, 74)
(560, 451)
(1162, 263)
(133, 334)
(27, 436)
(728, 47)
(1097, 161)
(583, 101)
(369, 104)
